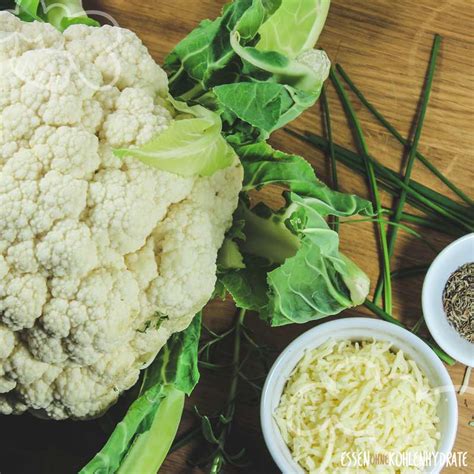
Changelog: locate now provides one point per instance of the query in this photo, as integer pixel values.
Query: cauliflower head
(101, 258)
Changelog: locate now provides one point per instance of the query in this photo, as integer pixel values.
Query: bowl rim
(273, 439)
(444, 334)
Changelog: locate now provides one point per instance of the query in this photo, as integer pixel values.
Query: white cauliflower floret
(61, 197)
(19, 37)
(68, 150)
(23, 166)
(119, 55)
(8, 339)
(22, 257)
(21, 299)
(18, 121)
(94, 249)
(68, 249)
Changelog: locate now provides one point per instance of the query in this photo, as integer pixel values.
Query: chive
(391, 182)
(429, 198)
(444, 201)
(438, 351)
(381, 313)
(369, 166)
(355, 161)
(431, 223)
(411, 155)
(384, 315)
(426, 201)
(378, 115)
(334, 223)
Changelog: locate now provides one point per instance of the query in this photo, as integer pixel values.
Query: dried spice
(458, 300)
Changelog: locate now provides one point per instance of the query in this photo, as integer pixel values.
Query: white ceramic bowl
(356, 329)
(458, 253)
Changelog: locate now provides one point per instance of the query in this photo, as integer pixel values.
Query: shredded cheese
(345, 397)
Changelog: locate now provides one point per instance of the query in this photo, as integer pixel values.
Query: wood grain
(385, 48)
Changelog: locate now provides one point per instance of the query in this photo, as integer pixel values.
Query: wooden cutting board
(384, 46)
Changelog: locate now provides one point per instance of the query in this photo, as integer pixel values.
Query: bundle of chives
(442, 213)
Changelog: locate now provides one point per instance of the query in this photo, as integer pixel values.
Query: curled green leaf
(191, 146)
(257, 89)
(264, 165)
(294, 271)
(294, 27)
(304, 75)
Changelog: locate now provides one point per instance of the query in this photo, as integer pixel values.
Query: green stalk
(439, 352)
(423, 199)
(192, 93)
(378, 115)
(416, 191)
(411, 156)
(391, 181)
(355, 161)
(219, 459)
(373, 188)
(416, 140)
(430, 223)
(63, 13)
(461, 210)
(150, 449)
(383, 315)
(334, 223)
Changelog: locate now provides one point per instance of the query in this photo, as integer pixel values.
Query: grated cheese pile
(350, 397)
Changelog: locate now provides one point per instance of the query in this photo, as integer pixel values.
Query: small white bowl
(458, 253)
(356, 329)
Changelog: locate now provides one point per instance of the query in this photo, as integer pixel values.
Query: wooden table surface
(385, 49)
(384, 46)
